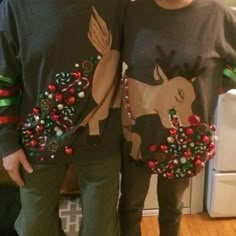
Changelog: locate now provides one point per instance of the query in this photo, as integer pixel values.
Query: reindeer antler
(187, 71)
(99, 35)
(165, 61)
(191, 72)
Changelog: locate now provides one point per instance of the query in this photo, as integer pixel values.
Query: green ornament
(172, 112)
(187, 165)
(209, 132)
(31, 154)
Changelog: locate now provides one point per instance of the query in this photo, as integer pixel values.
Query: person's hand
(12, 164)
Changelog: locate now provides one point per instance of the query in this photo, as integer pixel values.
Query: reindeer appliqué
(51, 121)
(190, 141)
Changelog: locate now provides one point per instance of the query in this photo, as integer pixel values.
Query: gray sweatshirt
(174, 61)
(59, 75)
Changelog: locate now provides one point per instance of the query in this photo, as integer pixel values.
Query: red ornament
(198, 163)
(29, 132)
(172, 132)
(194, 120)
(151, 164)
(33, 143)
(213, 127)
(187, 153)
(163, 148)
(197, 156)
(71, 100)
(55, 117)
(211, 154)
(72, 90)
(211, 145)
(205, 139)
(58, 97)
(39, 128)
(41, 158)
(36, 110)
(169, 175)
(189, 131)
(171, 165)
(153, 148)
(68, 150)
(174, 121)
(51, 88)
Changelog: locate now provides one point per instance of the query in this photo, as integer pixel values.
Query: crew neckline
(190, 5)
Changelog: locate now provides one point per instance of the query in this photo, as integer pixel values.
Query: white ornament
(81, 94)
(59, 132)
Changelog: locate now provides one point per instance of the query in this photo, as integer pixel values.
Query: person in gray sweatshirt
(59, 105)
(174, 52)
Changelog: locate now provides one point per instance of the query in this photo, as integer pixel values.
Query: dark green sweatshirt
(59, 77)
(174, 61)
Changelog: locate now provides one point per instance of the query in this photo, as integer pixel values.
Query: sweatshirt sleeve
(229, 50)
(10, 89)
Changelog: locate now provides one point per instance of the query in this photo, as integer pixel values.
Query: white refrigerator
(221, 171)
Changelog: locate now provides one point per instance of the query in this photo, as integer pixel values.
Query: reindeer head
(176, 93)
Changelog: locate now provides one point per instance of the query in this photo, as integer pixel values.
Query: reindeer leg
(135, 149)
(94, 132)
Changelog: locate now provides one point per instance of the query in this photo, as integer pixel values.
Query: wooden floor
(194, 225)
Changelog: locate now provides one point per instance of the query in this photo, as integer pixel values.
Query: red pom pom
(153, 148)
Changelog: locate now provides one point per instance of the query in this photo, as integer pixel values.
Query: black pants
(134, 187)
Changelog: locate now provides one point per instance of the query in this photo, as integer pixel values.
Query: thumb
(26, 165)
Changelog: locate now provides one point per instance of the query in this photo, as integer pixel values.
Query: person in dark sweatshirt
(59, 105)
(174, 53)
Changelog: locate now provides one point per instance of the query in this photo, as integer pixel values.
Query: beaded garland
(125, 86)
(51, 120)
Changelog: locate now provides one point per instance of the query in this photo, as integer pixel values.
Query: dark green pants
(99, 188)
(134, 187)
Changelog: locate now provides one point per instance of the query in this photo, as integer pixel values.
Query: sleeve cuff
(9, 143)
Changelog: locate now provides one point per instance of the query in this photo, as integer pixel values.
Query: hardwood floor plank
(194, 225)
